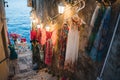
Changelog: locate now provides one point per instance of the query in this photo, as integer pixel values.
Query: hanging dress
(48, 50)
(72, 49)
(33, 34)
(95, 23)
(96, 53)
(43, 36)
(62, 45)
(39, 35)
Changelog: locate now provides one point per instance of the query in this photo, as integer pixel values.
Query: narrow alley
(59, 39)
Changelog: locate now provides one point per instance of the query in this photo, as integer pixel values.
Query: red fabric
(63, 78)
(43, 36)
(23, 39)
(48, 51)
(48, 35)
(39, 35)
(33, 34)
(14, 35)
(54, 37)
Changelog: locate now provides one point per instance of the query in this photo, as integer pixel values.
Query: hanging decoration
(47, 37)
(62, 44)
(72, 49)
(33, 34)
(61, 8)
(100, 40)
(95, 24)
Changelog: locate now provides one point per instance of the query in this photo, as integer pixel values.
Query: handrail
(4, 60)
(116, 26)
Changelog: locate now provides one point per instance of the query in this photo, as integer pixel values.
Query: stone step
(24, 76)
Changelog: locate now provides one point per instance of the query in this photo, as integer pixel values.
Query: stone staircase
(33, 75)
(23, 68)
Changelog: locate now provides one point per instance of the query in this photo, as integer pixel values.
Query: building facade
(4, 70)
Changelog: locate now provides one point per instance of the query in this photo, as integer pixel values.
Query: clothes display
(35, 52)
(99, 43)
(94, 16)
(72, 48)
(95, 24)
(54, 37)
(62, 46)
(13, 54)
(43, 36)
(48, 50)
(33, 34)
(39, 35)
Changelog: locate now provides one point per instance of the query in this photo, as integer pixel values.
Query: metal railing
(4, 60)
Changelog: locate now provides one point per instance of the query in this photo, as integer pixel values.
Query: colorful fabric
(54, 37)
(100, 43)
(23, 39)
(43, 36)
(62, 44)
(33, 34)
(72, 48)
(35, 52)
(95, 23)
(95, 15)
(39, 35)
(48, 51)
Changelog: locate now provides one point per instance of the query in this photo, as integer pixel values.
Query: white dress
(72, 48)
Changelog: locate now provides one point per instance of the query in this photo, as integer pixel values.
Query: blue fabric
(96, 51)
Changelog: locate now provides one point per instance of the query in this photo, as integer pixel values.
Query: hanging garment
(48, 50)
(95, 23)
(72, 49)
(43, 36)
(39, 35)
(35, 52)
(94, 16)
(54, 37)
(13, 54)
(97, 43)
(23, 39)
(62, 45)
(33, 34)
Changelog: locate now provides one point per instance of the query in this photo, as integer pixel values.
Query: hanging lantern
(47, 28)
(38, 26)
(33, 21)
(61, 8)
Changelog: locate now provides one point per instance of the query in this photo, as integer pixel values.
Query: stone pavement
(42, 75)
(23, 67)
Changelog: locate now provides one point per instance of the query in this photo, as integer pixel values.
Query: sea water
(18, 21)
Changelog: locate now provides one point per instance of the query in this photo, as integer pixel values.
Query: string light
(38, 26)
(61, 8)
(47, 28)
(33, 21)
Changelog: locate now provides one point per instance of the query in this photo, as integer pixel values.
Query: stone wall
(112, 67)
(3, 43)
